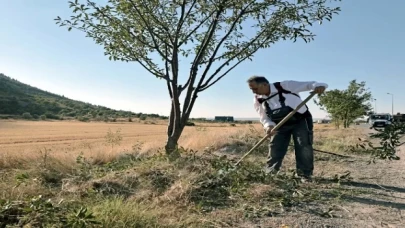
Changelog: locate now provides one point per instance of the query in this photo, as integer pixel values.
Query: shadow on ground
(369, 198)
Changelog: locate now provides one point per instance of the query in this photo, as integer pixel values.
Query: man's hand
(268, 131)
(319, 89)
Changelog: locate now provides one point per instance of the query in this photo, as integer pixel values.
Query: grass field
(130, 184)
(27, 140)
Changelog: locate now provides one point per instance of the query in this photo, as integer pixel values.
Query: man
(275, 101)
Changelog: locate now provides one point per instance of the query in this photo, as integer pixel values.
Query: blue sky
(365, 42)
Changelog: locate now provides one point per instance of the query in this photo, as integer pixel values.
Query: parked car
(379, 120)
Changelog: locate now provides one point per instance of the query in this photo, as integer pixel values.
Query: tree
(344, 106)
(208, 33)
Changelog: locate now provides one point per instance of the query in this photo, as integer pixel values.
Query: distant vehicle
(379, 120)
(323, 121)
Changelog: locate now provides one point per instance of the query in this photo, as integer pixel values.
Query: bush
(40, 212)
(52, 116)
(26, 115)
(190, 123)
(83, 119)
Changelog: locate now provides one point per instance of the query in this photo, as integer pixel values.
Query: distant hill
(21, 100)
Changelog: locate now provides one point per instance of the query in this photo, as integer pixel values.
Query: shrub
(26, 115)
(388, 140)
(190, 123)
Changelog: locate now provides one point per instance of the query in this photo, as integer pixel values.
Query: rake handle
(277, 126)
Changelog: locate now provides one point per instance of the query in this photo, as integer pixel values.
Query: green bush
(26, 115)
(190, 123)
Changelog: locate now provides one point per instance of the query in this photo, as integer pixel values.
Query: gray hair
(258, 80)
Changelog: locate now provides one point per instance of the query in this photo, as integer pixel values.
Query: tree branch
(231, 29)
(182, 17)
(118, 24)
(145, 63)
(226, 72)
(168, 77)
(199, 56)
(152, 34)
(190, 34)
(149, 67)
(235, 56)
(152, 14)
(169, 89)
(175, 65)
(187, 37)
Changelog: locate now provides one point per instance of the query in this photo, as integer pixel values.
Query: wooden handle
(277, 126)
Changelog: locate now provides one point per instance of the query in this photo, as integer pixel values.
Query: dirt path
(385, 205)
(372, 195)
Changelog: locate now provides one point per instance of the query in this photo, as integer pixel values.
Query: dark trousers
(302, 133)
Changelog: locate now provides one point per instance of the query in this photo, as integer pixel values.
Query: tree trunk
(346, 123)
(171, 143)
(171, 148)
(336, 122)
(174, 130)
(178, 119)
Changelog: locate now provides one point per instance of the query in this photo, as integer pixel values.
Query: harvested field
(66, 139)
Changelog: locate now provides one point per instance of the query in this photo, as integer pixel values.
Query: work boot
(303, 178)
(271, 170)
(306, 179)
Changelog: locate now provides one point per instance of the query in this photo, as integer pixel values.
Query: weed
(40, 212)
(113, 138)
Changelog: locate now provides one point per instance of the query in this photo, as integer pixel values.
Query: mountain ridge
(20, 100)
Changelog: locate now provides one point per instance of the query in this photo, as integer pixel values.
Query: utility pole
(375, 105)
(392, 104)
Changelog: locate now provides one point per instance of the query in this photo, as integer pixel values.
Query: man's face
(259, 89)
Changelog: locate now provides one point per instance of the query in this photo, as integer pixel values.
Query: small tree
(388, 140)
(344, 106)
(208, 33)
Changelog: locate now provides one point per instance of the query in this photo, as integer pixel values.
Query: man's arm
(298, 86)
(264, 119)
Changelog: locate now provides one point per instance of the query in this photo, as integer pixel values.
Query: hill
(19, 100)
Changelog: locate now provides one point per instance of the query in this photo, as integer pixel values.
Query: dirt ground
(380, 204)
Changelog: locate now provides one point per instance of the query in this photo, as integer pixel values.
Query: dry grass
(23, 142)
(26, 141)
(144, 191)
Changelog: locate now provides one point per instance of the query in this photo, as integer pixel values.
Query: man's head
(259, 85)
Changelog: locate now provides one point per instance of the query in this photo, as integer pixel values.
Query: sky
(364, 42)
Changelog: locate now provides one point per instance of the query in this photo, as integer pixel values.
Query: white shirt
(290, 99)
